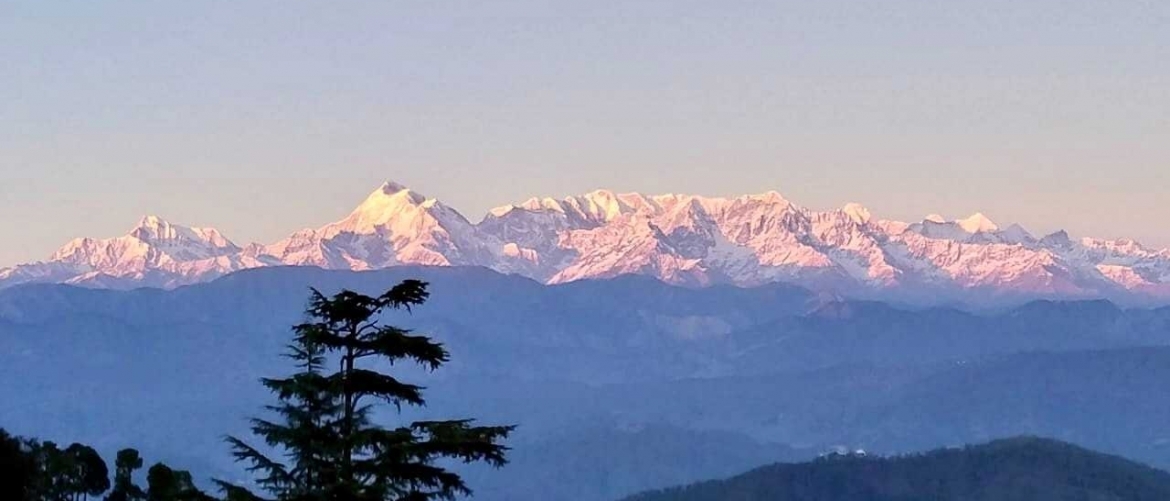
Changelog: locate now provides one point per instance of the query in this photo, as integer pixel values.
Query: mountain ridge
(681, 239)
(1024, 468)
(722, 359)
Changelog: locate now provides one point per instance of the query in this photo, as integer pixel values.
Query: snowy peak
(973, 229)
(152, 224)
(531, 205)
(595, 207)
(857, 212)
(771, 196)
(977, 223)
(602, 206)
(394, 225)
(392, 187)
(153, 238)
(154, 253)
(384, 204)
(158, 231)
(396, 209)
(393, 193)
(744, 240)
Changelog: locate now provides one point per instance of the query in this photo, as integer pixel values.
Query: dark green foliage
(36, 471)
(125, 465)
(1025, 469)
(90, 475)
(165, 484)
(74, 473)
(18, 468)
(54, 479)
(333, 450)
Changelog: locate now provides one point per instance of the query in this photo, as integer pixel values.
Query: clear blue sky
(263, 117)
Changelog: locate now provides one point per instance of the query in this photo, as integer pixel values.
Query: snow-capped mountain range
(693, 240)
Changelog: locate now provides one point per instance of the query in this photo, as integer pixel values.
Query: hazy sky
(263, 117)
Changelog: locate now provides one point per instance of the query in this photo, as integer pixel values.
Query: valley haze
(618, 385)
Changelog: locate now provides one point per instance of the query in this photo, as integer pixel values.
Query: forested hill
(1022, 469)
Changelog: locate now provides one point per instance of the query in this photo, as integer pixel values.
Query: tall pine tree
(333, 450)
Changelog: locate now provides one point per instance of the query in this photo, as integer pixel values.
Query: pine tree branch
(361, 382)
(234, 492)
(459, 440)
(396, 344)
(277, 474)
(406, 295)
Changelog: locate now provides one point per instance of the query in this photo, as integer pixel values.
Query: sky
(264, 117)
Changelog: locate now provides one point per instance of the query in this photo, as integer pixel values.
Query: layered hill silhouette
(708, 381)
(1021, 469)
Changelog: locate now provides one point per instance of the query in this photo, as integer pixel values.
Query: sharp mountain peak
(687, 239)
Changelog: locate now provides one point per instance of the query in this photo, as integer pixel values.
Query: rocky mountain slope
(681, 239)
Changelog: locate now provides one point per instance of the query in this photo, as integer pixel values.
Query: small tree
(71, 474)
(90, 475)
(52, 472)
(334, 450)
(127, 462)
(166, 484)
